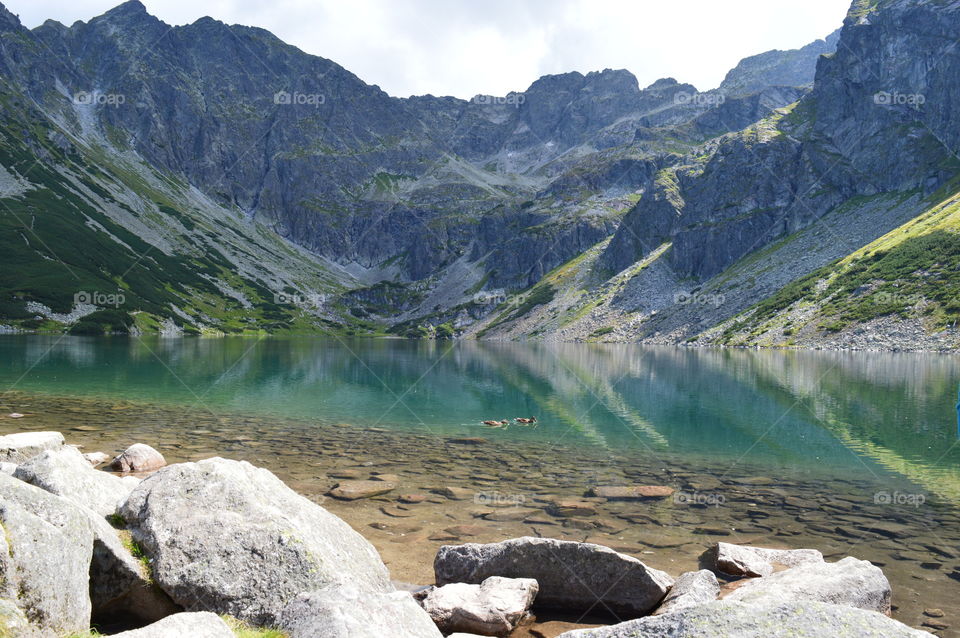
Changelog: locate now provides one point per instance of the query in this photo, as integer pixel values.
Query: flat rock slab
(23, 446)
(201, 624)
(572, 576)
(690, 589)
(850, 582)
(632, 492)
(727, 619)
(743, 560)
(492, 608)
(354, 490)
(227, 537)
(348, 613)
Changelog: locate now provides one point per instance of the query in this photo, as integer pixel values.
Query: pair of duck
(519, 419)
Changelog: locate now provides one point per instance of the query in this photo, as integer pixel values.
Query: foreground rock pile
(177, 551)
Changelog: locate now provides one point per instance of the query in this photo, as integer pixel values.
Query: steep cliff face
(878, 120)
(778, 68)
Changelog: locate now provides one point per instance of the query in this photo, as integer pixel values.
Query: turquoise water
(868, 413)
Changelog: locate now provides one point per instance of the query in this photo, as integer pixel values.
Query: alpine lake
(851, 453)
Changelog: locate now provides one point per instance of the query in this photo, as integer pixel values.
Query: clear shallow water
(849, 453)
(859, 413)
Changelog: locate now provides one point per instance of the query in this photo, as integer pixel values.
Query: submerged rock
(348, 613)
(138, 458)
(195, 625)
(689, 590)
(23, 446)
(64, 472)
(572, 576)
(726, 619)
(353, 490)
(492, 608)
(743, 560)
(851, 582)
(228, 537)
(632, 492)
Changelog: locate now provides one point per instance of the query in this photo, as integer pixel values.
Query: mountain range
(209, 178)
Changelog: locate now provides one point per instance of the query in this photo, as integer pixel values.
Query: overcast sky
(466, 47)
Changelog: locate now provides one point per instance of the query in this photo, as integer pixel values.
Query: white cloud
(464, 47)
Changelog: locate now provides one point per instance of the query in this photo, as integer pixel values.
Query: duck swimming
(520, 419)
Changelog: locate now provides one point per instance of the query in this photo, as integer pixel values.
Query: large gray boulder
(139, 457)
(23, 446)
(347, 612)
(228, 537)
(66, 473)
(690, 589)
(572, 576)
(743, 560)
(45, 553)
(492, 608)
(727, 619)
(850, 582)
(200, 624)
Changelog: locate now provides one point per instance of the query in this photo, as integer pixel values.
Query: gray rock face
(726, 619)
(778, 68)
(227, 537)
(690, 589)
(23, 446)
(742, 560)
(200, 624)
(346, 612)
(66, 473)
(45, 558)
(138, 458)
(492, 608)
(851, 582)
(572, 576)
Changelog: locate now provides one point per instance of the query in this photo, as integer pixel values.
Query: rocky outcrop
(723, 619)
(66, 473)
(778, 68)
(743, 560)
(196, 625)
(138, 458)
(690, 589)
(23, 446)
(571, 576)
(850, 582)
(492, 608)
(227, 537)
(349, 613)
(45, 555)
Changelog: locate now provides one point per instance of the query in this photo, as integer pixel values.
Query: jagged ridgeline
(213, 178)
